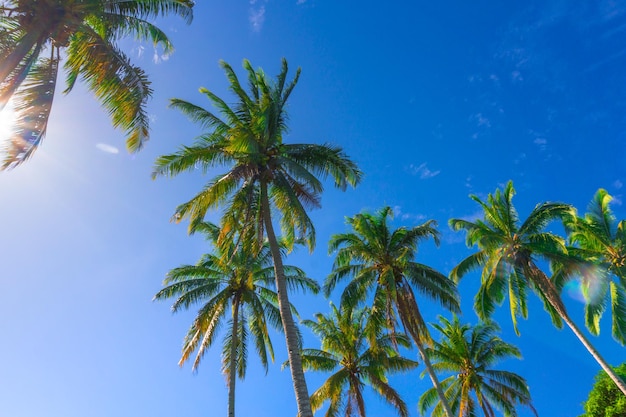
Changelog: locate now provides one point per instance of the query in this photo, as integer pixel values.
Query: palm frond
(32, 109)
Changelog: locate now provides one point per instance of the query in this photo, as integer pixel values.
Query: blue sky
(434, 100)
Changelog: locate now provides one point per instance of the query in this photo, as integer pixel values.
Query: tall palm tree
(34, 32)
(601, 240)
(231, 278)
(264, 177)
(507, 255)
(470, 353)
(382, 260)
(354, 362)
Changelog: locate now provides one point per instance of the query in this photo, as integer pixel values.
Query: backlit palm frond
(151, 8)
(140, 29)
(468, 353)
(544, 214)
(33, 102)
(122, 88)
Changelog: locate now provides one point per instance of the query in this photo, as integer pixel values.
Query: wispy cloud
(542, 143)
(256, 15)
(107, 148)
(422, 171)
(398, 213)
(481, 120)
(617, 184)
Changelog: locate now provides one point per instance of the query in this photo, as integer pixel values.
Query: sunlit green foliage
(469, 354)
(601, 242)
(507, 256)
(381, 260)
(354, 362)
(235, 286)
(605, 399)
(264, 177)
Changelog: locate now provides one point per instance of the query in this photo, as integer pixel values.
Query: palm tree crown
(507, 256)
(32, 34)
(230, 279)
(601, 240)
(381, 260)
(354, 362)
(508, 252)
(470, 353)
(263, 176)
(248, 140)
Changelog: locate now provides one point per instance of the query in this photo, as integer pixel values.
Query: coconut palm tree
(36, 34)
(263, 177)
(469, 353)
(600, 240)
(236, 280)
(380, 260)
(507, 256)
(354, 362)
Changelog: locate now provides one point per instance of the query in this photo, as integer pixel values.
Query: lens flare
(590, 286)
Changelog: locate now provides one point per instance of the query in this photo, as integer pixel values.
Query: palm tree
(507, 256)
(469, 353)
(601, 240)
(264, 176)
(382, 260)
(230, 277)
(354, 362)
(32, 35)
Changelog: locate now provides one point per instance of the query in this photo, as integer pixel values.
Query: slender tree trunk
(413, 329)
(291, 335)
(433, 378)
(551, 293)
(232, 371)
(596, 355)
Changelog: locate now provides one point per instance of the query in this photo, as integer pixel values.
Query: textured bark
(291, 335)
(232, 372)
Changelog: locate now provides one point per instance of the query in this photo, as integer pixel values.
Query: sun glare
(7, 118)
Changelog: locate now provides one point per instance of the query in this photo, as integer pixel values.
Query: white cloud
(481, 121)
(300, 1)
(542, 143)
(422, 170)
(618, 184)
(107, 148)
(398, 213)
(257, 17)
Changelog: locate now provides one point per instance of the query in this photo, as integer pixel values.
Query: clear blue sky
(434, 100)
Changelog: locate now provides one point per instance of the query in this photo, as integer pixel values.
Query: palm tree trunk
(291, 335)
(406, 304)
(596, 355)
(551, 293)
(433, 377)
(232, 371)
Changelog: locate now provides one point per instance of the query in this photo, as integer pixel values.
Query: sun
(7, 121)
